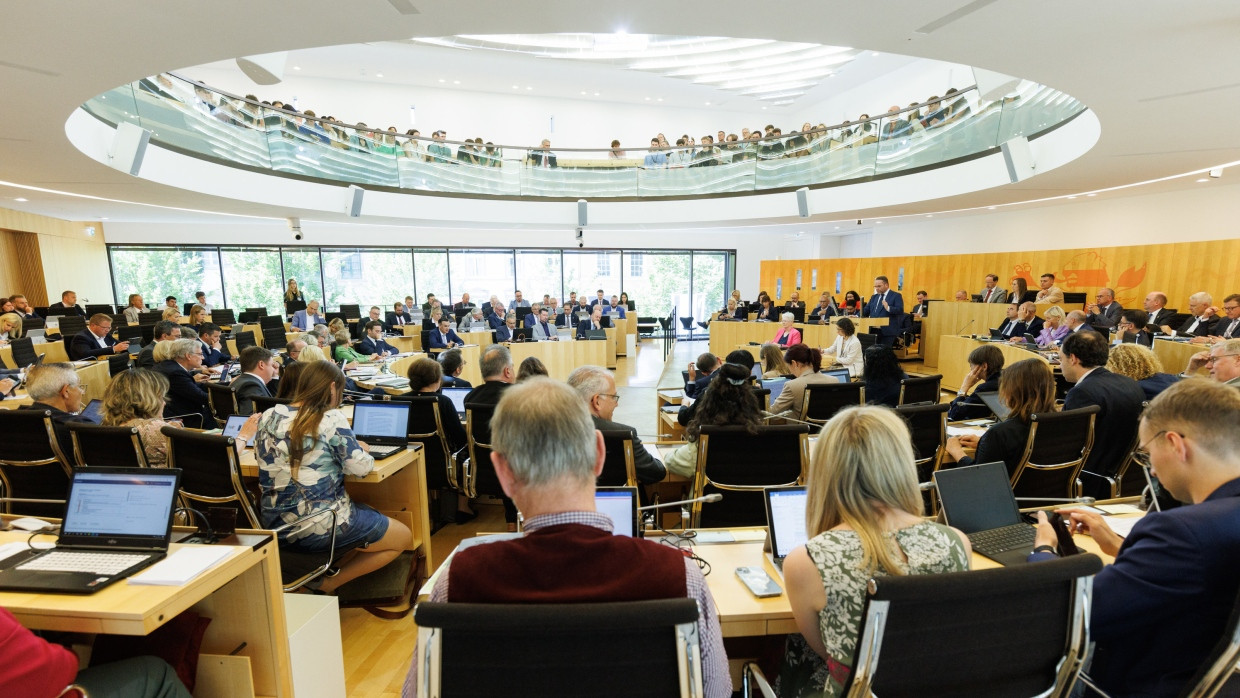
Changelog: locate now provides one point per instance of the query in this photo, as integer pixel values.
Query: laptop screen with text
(120, 504)
(381, 419)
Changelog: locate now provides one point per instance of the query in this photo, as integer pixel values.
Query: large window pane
(538, 274)
(430, 269)
(709, 275)
(303, 265)
(252, 278)
(157, 273)
(587, 272)
(482, 274)
(367, 277)
(660, 283)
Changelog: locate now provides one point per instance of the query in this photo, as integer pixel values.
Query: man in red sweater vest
(547, 456)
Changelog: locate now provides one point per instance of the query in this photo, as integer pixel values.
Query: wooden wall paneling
(23, 267)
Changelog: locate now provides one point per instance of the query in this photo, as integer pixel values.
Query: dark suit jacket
(369, 346)
(1034, 327)
(74, 309)
(1109, 317)
(1161, 607)
(59, 419)
(1116, 425)
(247, 387)
(455, 382)
(488, 393)
(538, 156)
(585, 326)
(393, 317)
(1003, 326)
(184, 395)
(85, 346)
(648, 468)
(502, 333)
(214, 357)
(895, 310)
(1203, 329)
(495, 321)
(821, 312)
(439, 341)
(698, 386)
(146, 357)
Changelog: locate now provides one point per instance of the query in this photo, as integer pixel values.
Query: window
(159, 272)
(539, 274)
(302, 264)
(351, 267)
(582, 273)
(709, 275)
(482, 274)
(663, 285)
(604, 264)
(430, 267)
(252, 278)
(366, 277)
(635, 263)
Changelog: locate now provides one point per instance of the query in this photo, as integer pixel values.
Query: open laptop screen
(776, 386)
(381, 419)
(93, 411)
(620, 503)
(995, 404)
(120, 502)
(457, 396)
(785, 510)
(977, 497)
(839, 374)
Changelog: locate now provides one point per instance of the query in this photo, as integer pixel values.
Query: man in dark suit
(1029, 323)
(258, 368)
(542, 156)
(22, 307)
(826, 308)
(597, 387)
(164, 330)
(1131, 327)
(96, 340)
(594, 323)
(452, 363)
(1075, 321)
(214, 352)
(399, 316)
(599, 300)
(1228, 326)
(68, 300)
(185, 395)
(1201, 322)
(444, 337)
(1155, 304)
(1161, 607)
(373, 343)
(1083, 358)
(543, 330)
(1008, 327)
(886, 303)
(465, 303)
(376, 315)
(700, 374)
(497, 317)
(503, 333)
(57, 389)
(1104, 312)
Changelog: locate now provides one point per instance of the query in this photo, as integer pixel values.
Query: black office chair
(763, 395)
(23, 352)
(1026, 628)
(33, 323)
(927, 425)
(1126, 482)
(244, 340)
(351, 311)
(262, 404)
(824, 400)
(150, 317)
(1075, 298)
(635, 649)
(109, 447)
(687, 323)
(99, 308)
(1055, 452)
(223, 317)
(478, 471)
(291, 307)
(921, 389)
(618, 468)
(738, 464)
(120, 323)
(223, 402)
(71, 325)
(118, 363)
(425, 427)
(32, 465)
(271, 321)
(275, 338)
(258, 312)
(210, 473)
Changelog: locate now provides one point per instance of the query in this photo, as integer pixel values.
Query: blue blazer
(503, 334)
(585, 326)
(84, 346)
(303, 322)
(369, 346)
(213, 357)
(439, 341)
(495, 321)
(875, 308)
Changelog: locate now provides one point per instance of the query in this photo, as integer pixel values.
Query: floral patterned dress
(931, 548)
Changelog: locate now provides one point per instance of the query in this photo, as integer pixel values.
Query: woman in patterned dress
(864, 518)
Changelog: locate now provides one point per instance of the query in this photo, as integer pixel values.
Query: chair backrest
(1217, 671)
(481, 474)
(38, 323)
(147, 332)
(634, 648)
(23, 352)
(618, 468)
(272, 321)
(120, 324)
(70, 325)
(93, 308)
(223, 316)
(1070, 298)
(263, 403)
(425, 426)
(1026, 626)
(1055, 452)
(150, 317)
(737, 464)
(260, 312)
(32, 465)
(351, 311)
(118, 363)
(210, 473)
(244, 339)
(927, 425)
(108, 447)
(275, 338)
(920, 389)
(823, 400)
(867, 339)
(763, 395)
(223, 402)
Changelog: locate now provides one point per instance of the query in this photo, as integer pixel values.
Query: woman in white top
(846, 350)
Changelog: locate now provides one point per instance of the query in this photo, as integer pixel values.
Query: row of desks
(726, 335)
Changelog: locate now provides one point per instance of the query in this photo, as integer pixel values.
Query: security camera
(294, 224)
(580, 237)
(297, 233)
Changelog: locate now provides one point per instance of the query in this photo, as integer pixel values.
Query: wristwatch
(1045, 549)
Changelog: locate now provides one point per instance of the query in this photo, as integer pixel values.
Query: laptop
(775, 385)
(839, 374)
(978, 500)
(1000, 410)
(457, 396)
(620, 503)
(755, 372)
(232, 427)
(37, 335)
(117, 521)
(93, 411)
(785, 523)
(384, 426)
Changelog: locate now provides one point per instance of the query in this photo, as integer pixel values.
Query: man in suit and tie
(465, 303)
(376, 315)
(1029, 322)
(185, 395)
(498, 316)
(164, 330)
(503, 333)
(618, 308)
(1228, 326)
(452, 362)
(1008, 327)
(1199, 324)
(68, 301)
(597, 387)
(826, 308)
(214, 352)
(886, 303)
(95, 342)
(372, 344)
(1155, 304)
(599, 300)
(531, 318)
(992, 293)
(594, 323)
(542, 156)
(543, 331)
(443, 337)
(518, 302)
(21, 306)
(1104, 312)
(400, 316)
(1083, 358)
(1075, 321)
(700, 374)
(474, 321)
(258, 368)
(1131, 327)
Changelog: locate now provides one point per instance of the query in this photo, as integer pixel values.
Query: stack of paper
(182, 566)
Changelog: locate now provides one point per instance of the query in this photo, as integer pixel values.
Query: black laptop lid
(619, 503)
(995, 404)
(977, 497)
(381, 422)
(120, 507)
(93, 411)
(785, 519)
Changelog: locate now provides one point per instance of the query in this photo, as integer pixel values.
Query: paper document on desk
(10, 549)
(182, 566)
(653, 451)
(1122, 526)
(962, 431)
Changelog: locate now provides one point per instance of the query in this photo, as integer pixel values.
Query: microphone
(1059, 500)
(183, 416)
(767, 416)
(707, 498)
(966, 326)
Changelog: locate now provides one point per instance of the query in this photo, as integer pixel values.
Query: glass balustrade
(194, 119)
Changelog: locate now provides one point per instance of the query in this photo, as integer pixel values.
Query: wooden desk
(242, 595)
(54, 351)
(396, 488)
(1175, 355)
(954, 357)
(95, 375)
(561, 358)
(727, 335)
(956, 317)
(667, 427)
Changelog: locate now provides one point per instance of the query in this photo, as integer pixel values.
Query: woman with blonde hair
(863, 516)
(136, 399)
(1132, 360)
(304, 451)
(171, 315)
(1055, 328)
(292, 292)
(10, 328)
(197, 316)
(773, 362)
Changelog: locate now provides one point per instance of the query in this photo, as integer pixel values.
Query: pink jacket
(793, 336)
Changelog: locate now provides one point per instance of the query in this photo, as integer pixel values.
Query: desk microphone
(706, 498)
(767, 415)
(183, 416)
(966, 326)
(1059, 500)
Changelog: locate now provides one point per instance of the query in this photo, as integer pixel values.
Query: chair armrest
(331, 549)
(752, 679)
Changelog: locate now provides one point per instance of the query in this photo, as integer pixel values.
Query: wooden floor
(377, 652)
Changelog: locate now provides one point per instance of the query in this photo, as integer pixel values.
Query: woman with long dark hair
(728, 400)
(882, 376)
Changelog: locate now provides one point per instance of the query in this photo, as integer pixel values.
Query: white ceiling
(1160, 76)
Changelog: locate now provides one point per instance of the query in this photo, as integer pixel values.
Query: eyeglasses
(613, 396)
(1215, 357)
(81, 387)
(1141, 456)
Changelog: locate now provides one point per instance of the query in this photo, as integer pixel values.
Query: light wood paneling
(41, 256)
(1177, 269)
(22, 268)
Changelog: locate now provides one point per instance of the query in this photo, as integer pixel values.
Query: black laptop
(117, 521)
(785, 522)
(384, 426)
(978, 500)
(1000, 410)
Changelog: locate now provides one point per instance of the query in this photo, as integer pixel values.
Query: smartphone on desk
(758, 582)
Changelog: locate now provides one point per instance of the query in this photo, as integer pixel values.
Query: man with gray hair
(1104, 312)
(547, 456)
(1075, 321)
(597, 387)
(186, 397)
(498, 375)
(56, 388)
(1223, 360)
(1202, 319)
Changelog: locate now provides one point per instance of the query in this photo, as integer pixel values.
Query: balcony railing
(192, 118)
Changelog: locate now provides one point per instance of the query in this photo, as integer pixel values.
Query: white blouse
(847, 351)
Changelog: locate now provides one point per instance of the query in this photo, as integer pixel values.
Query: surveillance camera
(296, 233)
(858, 221)
(579, 233)
(581, 244)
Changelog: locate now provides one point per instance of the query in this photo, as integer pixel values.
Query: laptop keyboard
(92, 563)
(383, 451)
(998, 540)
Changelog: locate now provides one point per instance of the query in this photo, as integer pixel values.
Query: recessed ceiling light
(583, 92)
(708, 104)
(1203, 179)
(595, 94)
(529, 87)
(647, 99)
(879, 222)
(378, 75)
(442, 80)
(660, 99)
(763, 108)
(103, 218)
(831, 75)
(516, 87)
(21, 198)
(456, 82)
(837, 227)
(296, 67)
(929, 215)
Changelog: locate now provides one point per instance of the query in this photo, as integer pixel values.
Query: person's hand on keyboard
(365, 446)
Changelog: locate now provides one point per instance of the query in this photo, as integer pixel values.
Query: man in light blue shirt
(655, 158)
